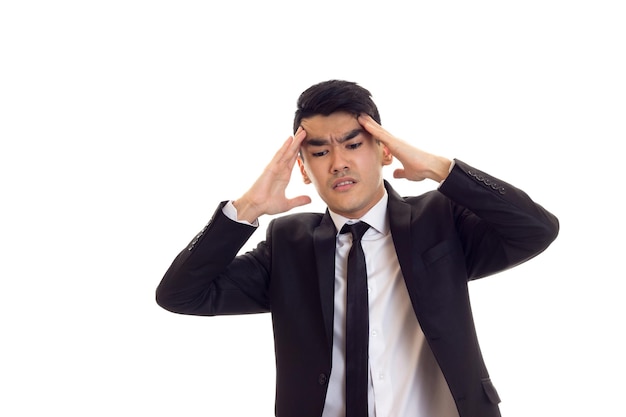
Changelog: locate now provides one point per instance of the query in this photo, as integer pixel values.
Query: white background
(124, 123)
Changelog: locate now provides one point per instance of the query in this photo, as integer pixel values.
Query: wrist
(246, 210)
(440, 168)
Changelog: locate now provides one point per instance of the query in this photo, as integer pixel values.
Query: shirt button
(381, 376)
(322, 379)
(374, 333)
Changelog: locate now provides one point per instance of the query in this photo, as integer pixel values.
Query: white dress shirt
(404, 379)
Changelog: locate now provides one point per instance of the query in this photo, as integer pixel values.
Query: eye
(318, 154)
(354, 145)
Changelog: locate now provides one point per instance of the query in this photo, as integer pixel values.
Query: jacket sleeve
(499, 225)
(208, 278)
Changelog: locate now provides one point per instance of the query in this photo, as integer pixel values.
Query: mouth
(343, 184)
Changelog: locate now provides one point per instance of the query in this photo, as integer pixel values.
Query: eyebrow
(321, 141)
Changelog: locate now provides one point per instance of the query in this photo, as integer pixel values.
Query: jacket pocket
(490, 391)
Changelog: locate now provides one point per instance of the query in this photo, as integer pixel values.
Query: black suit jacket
(474, 225)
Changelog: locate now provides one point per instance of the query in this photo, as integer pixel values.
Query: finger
(399, 173)
(299, 131)
(368, 123)
(395, 145)
(298, 201)
(280, 155)
(374, 129)
(298, 138)
(293, 148)
(288, 152)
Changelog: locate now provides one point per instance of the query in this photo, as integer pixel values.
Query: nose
(339, 162)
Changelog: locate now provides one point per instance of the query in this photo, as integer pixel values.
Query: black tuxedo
(473, 226)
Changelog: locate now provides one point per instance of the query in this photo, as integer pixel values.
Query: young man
(418, 354)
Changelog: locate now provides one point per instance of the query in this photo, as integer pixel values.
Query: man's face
(344, 163)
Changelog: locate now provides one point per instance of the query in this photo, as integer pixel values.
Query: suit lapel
(324, 243)
(400, 224)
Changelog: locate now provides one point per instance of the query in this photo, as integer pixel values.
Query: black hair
(332, 96)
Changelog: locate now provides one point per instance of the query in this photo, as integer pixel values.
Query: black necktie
(357, 325)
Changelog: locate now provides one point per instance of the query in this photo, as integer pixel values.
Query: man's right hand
(267, 194)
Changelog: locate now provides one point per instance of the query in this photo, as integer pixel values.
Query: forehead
(334, 126)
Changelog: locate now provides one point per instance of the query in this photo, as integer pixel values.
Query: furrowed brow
(350, 135)
(323, 142)
(316, 142)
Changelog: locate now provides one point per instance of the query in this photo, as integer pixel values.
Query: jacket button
(322, 379)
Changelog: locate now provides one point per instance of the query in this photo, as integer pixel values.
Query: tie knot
(357, 229)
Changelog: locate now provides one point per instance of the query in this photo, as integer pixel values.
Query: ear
(387, 156)
(305, 177)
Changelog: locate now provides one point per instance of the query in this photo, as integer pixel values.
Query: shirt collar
(376, 217)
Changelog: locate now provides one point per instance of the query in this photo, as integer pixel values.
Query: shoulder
(432, 198)
(296, 222)
(429, 197)
(295, 230)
